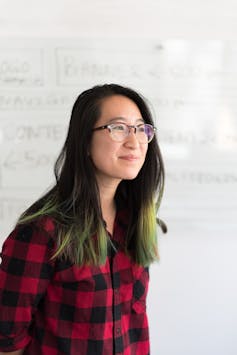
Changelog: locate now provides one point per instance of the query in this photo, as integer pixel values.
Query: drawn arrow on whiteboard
(11, 162)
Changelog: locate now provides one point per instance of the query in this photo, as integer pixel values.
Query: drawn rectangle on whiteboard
(21, 67)
(76, 66)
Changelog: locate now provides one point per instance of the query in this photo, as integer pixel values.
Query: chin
(129, 176)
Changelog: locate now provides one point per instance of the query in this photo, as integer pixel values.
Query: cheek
(144, 151)
(101, 151)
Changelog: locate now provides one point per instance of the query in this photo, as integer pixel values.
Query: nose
(131, 139)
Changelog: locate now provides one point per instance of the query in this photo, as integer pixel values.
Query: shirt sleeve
(25, 271)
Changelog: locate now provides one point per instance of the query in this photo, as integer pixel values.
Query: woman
(74, 272)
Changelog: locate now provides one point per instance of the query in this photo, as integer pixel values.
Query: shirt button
(118, 330)
(116, 291)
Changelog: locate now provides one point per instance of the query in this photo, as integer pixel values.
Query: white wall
(163, 19)
(182, 55)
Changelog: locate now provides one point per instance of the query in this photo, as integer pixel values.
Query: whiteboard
(192, 90)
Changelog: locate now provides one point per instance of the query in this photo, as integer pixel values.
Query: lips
(129, 157)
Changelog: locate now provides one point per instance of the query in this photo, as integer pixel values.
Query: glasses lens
(118, 131)
(145, 133)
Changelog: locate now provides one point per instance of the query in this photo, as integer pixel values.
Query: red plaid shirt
(53, 307)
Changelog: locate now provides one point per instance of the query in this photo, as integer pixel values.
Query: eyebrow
(116, 119)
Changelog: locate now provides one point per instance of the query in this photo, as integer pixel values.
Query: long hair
(74, 202)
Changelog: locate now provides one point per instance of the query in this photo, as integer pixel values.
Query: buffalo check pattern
(54, 307)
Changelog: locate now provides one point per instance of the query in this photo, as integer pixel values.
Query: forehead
(118, 106)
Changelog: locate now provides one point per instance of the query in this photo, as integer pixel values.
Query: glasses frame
(109, 128)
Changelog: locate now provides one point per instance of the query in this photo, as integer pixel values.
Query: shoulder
(28, 250)
(38, 232)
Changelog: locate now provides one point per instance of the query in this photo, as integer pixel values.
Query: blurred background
(181, 55)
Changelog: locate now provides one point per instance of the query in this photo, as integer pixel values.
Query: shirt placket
(116, 305)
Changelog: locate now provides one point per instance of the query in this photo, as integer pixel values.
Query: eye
(150, 131)
(141, 128)
(118, 127)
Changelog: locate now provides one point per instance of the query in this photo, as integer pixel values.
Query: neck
(107, 199)
(107, 190)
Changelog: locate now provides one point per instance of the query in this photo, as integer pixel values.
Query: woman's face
(116, 161)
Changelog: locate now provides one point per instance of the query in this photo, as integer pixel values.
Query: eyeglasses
(120, 131)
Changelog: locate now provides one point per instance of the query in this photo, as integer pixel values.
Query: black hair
(74, 202)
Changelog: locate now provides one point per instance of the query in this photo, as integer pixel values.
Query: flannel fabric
(53, 307)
